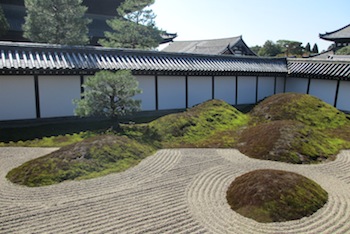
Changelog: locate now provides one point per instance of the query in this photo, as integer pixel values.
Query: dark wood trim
(37, 96)
(236, 101)
(256, 89)
(336, 94)
(186, 85)
(275, 86)
(81, 86)
(156, 91)
(308, 86)
(285, 84)
(213, 87)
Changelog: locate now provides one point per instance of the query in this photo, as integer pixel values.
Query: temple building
(98, 12)
(340, 37)
(232, 46)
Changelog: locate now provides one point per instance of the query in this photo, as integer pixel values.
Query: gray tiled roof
(30, 57)
(214, 46)
(342, 33)
(326, 68)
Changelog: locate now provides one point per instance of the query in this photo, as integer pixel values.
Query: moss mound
(275, 196)
(288, 141)
(211, 124)
(299, 107)
(92, 157)
(294, 128)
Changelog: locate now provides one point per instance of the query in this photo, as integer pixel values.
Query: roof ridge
(335, 31)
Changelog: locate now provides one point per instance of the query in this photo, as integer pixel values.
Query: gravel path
(173, 191)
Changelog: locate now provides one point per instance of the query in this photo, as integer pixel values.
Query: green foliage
(275, 196)
(109, 94)
(90, 158)
(308, 47)
(256, 49)
(53, 141)
(290, 48)
(270, 49)
(4, 26)
(315, 49)
(134, 27)
(56, 22)
(343, 51)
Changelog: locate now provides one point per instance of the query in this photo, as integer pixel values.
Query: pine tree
(315, 49)
(109, 94)
(308, 48)
(56, 22)
(4, 26)
(133, 27)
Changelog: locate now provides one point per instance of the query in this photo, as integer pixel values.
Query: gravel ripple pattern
(173, 191)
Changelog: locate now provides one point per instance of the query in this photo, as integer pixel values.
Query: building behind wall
(98, 10)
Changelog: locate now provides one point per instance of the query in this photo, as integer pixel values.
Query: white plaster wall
(56, 95)
(343, 102)
(148, 95)
(266, 87)
(171, 92)
(297, 85)
(199, 89)
(324, 89)
(225, 88)
(246, 89)
(17, 97)
(280, 84)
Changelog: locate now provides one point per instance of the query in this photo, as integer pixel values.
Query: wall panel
(343, 102)
(246, 90)
(266, 87)
(57, 94)
(280, 84)
(171, 92)
(324, 89)
(225, 88)
(148, 95)
(199, 89)
(17, 97)
(297, 85)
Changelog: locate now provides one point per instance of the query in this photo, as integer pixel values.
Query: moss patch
(294, 128)
(275, 196)
(288, 141)
(90, 158)
(303, 108)
(212, 123)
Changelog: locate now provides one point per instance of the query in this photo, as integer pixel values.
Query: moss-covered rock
(288, 141)
(304, 108)
(92, 157)
(211, 124)
(275, 196)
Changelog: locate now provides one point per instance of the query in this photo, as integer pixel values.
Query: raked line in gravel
(173, 191)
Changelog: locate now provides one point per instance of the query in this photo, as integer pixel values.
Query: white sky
(256, 20)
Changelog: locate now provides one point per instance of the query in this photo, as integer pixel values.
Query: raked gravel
(173, 191)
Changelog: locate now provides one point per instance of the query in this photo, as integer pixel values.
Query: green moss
(197, 126)
(304, 108)
(87, 159)
(275, 196)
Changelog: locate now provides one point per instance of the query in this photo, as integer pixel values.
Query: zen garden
(279, 165)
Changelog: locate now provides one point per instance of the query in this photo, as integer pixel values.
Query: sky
(255, 20)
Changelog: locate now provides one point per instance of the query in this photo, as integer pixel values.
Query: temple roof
(34, 58)
(232, 45)
(343, 33)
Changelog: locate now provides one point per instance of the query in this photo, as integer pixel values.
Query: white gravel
(173, 191)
